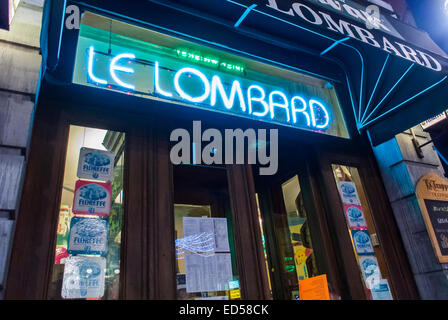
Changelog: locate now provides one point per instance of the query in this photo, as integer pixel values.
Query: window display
(362, 232)
(87, 256)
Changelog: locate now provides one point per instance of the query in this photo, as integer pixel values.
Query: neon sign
(209, 60)
(193, 86)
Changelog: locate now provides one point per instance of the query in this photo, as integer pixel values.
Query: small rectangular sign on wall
(88, 236)
(355, 216)
(92, 198)
(348, 193)
(84, 277)
(432, 194)
(96, 164)
(362, 242)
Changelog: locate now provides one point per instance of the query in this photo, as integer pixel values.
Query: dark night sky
(431, 17)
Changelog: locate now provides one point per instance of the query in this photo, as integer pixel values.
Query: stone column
(19, 64)
(401, 168)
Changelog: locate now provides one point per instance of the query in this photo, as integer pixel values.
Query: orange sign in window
(315, 288)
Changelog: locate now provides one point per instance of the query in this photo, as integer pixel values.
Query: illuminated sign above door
(202, 77)
(193, 86)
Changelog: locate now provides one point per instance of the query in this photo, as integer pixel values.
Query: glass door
(298, 244)
(364, 230)
(206, 267)
(361, 228)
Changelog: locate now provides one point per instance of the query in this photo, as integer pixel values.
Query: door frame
(402, 281)
(271, 200)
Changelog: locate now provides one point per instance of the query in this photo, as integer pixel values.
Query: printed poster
(314, 288)
(88, 236)
(96, 164)
(355, 216)
(205, 234)
(370, 270)
(199, 236)
(92, 198)
(221, 234)
(382, 291)
(84, 277)
(348, 192)
(362, 242)
(206, 269)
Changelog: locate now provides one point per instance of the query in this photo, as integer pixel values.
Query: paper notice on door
(206, 270)
(208, 273)
(199, 235)
(221, 235)
(194, 226)
(315, 288)
(381, 291)
(224, 269)
(205, 234)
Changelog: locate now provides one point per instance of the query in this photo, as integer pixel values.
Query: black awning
(396, 75)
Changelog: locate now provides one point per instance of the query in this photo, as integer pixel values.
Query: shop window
(205, 251)
(362, 231)
(294, 240)
(87, 252)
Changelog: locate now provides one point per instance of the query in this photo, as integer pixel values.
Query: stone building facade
(401, 168)
(19, 64)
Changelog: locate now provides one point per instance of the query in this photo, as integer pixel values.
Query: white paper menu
(211, 269)
(217, 227)
(208, 273)
(221, 234)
